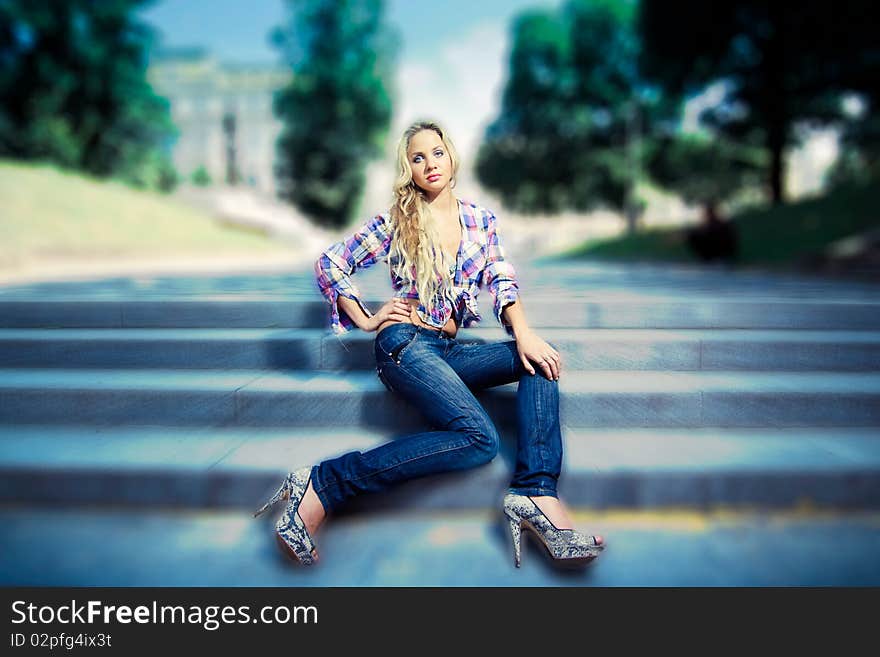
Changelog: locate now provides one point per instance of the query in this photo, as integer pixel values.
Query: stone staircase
(681, 389)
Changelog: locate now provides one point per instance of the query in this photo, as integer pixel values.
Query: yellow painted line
(674, 519)
(592, 520)
(689, 520)
(693, 520)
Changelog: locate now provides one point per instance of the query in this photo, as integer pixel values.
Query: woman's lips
(433, 177)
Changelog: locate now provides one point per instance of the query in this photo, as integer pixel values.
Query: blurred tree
(703, 169)
(524, 156)
(337, 108)
(73, 89)
(859, 159)
(574, 116)
(780, 63)
(200, 177)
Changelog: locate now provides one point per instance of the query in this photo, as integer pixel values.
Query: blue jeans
(437, 374)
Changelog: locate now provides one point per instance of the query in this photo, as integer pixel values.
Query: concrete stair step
(598, 398)
(314, 349)
(726, 421)
(114, 547)
(537, 277)
(543, 311)
(604, 468)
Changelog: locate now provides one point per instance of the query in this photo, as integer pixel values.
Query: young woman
(440, 250)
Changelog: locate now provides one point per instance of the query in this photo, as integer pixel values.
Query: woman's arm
(337, 264)
(499, 275)
(354, 312)
(529, 345)
(513, 315)
(396, 309)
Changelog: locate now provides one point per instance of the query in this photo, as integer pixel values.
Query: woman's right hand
(396, 310)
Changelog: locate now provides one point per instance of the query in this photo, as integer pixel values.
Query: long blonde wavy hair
(415, 247)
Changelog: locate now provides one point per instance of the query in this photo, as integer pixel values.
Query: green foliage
(653, 245)
(704, 170)
(859, 159)
(337, 108)
(73, 89)
(153, 171)
(571, 132)
(780, 63)
(201, 177)
(768, 236)
(787, 233)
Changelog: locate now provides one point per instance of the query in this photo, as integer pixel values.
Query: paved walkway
(158, 548)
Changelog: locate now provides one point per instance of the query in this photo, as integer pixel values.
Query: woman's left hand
(533, 348)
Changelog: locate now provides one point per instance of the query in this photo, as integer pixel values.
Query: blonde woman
(440, 250)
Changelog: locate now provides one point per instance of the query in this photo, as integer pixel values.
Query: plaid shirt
(480, 261)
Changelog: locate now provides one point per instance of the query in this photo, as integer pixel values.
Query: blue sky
(451, 67)
(236, 30)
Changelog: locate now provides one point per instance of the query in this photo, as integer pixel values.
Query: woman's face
(430, 163)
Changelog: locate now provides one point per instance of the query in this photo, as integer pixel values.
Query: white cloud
(459, 86)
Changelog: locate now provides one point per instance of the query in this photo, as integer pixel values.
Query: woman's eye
(438, 153)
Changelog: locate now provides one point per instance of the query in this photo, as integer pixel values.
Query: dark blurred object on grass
(715, 239)
(801, 235)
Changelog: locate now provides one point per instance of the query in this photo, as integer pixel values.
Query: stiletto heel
(282, 493)
(565, 546)
(290, 530)
(515, 531)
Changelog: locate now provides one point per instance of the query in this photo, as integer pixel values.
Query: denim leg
(539, 435)
(464, 435)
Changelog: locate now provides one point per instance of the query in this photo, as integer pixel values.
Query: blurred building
(223, 113)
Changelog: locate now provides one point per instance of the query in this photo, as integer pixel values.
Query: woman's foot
(302, 515)
(556, 513)
(311, 510)
(565, 545)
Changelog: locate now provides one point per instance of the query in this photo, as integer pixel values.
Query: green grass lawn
(50, 214)
(772, 236)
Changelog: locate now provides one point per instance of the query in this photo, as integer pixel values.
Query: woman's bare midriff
(449, 328)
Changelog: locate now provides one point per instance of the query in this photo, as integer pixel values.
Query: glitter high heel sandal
(565, 546)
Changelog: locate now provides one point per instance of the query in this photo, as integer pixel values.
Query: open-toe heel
(565, 546)
(290, 530)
